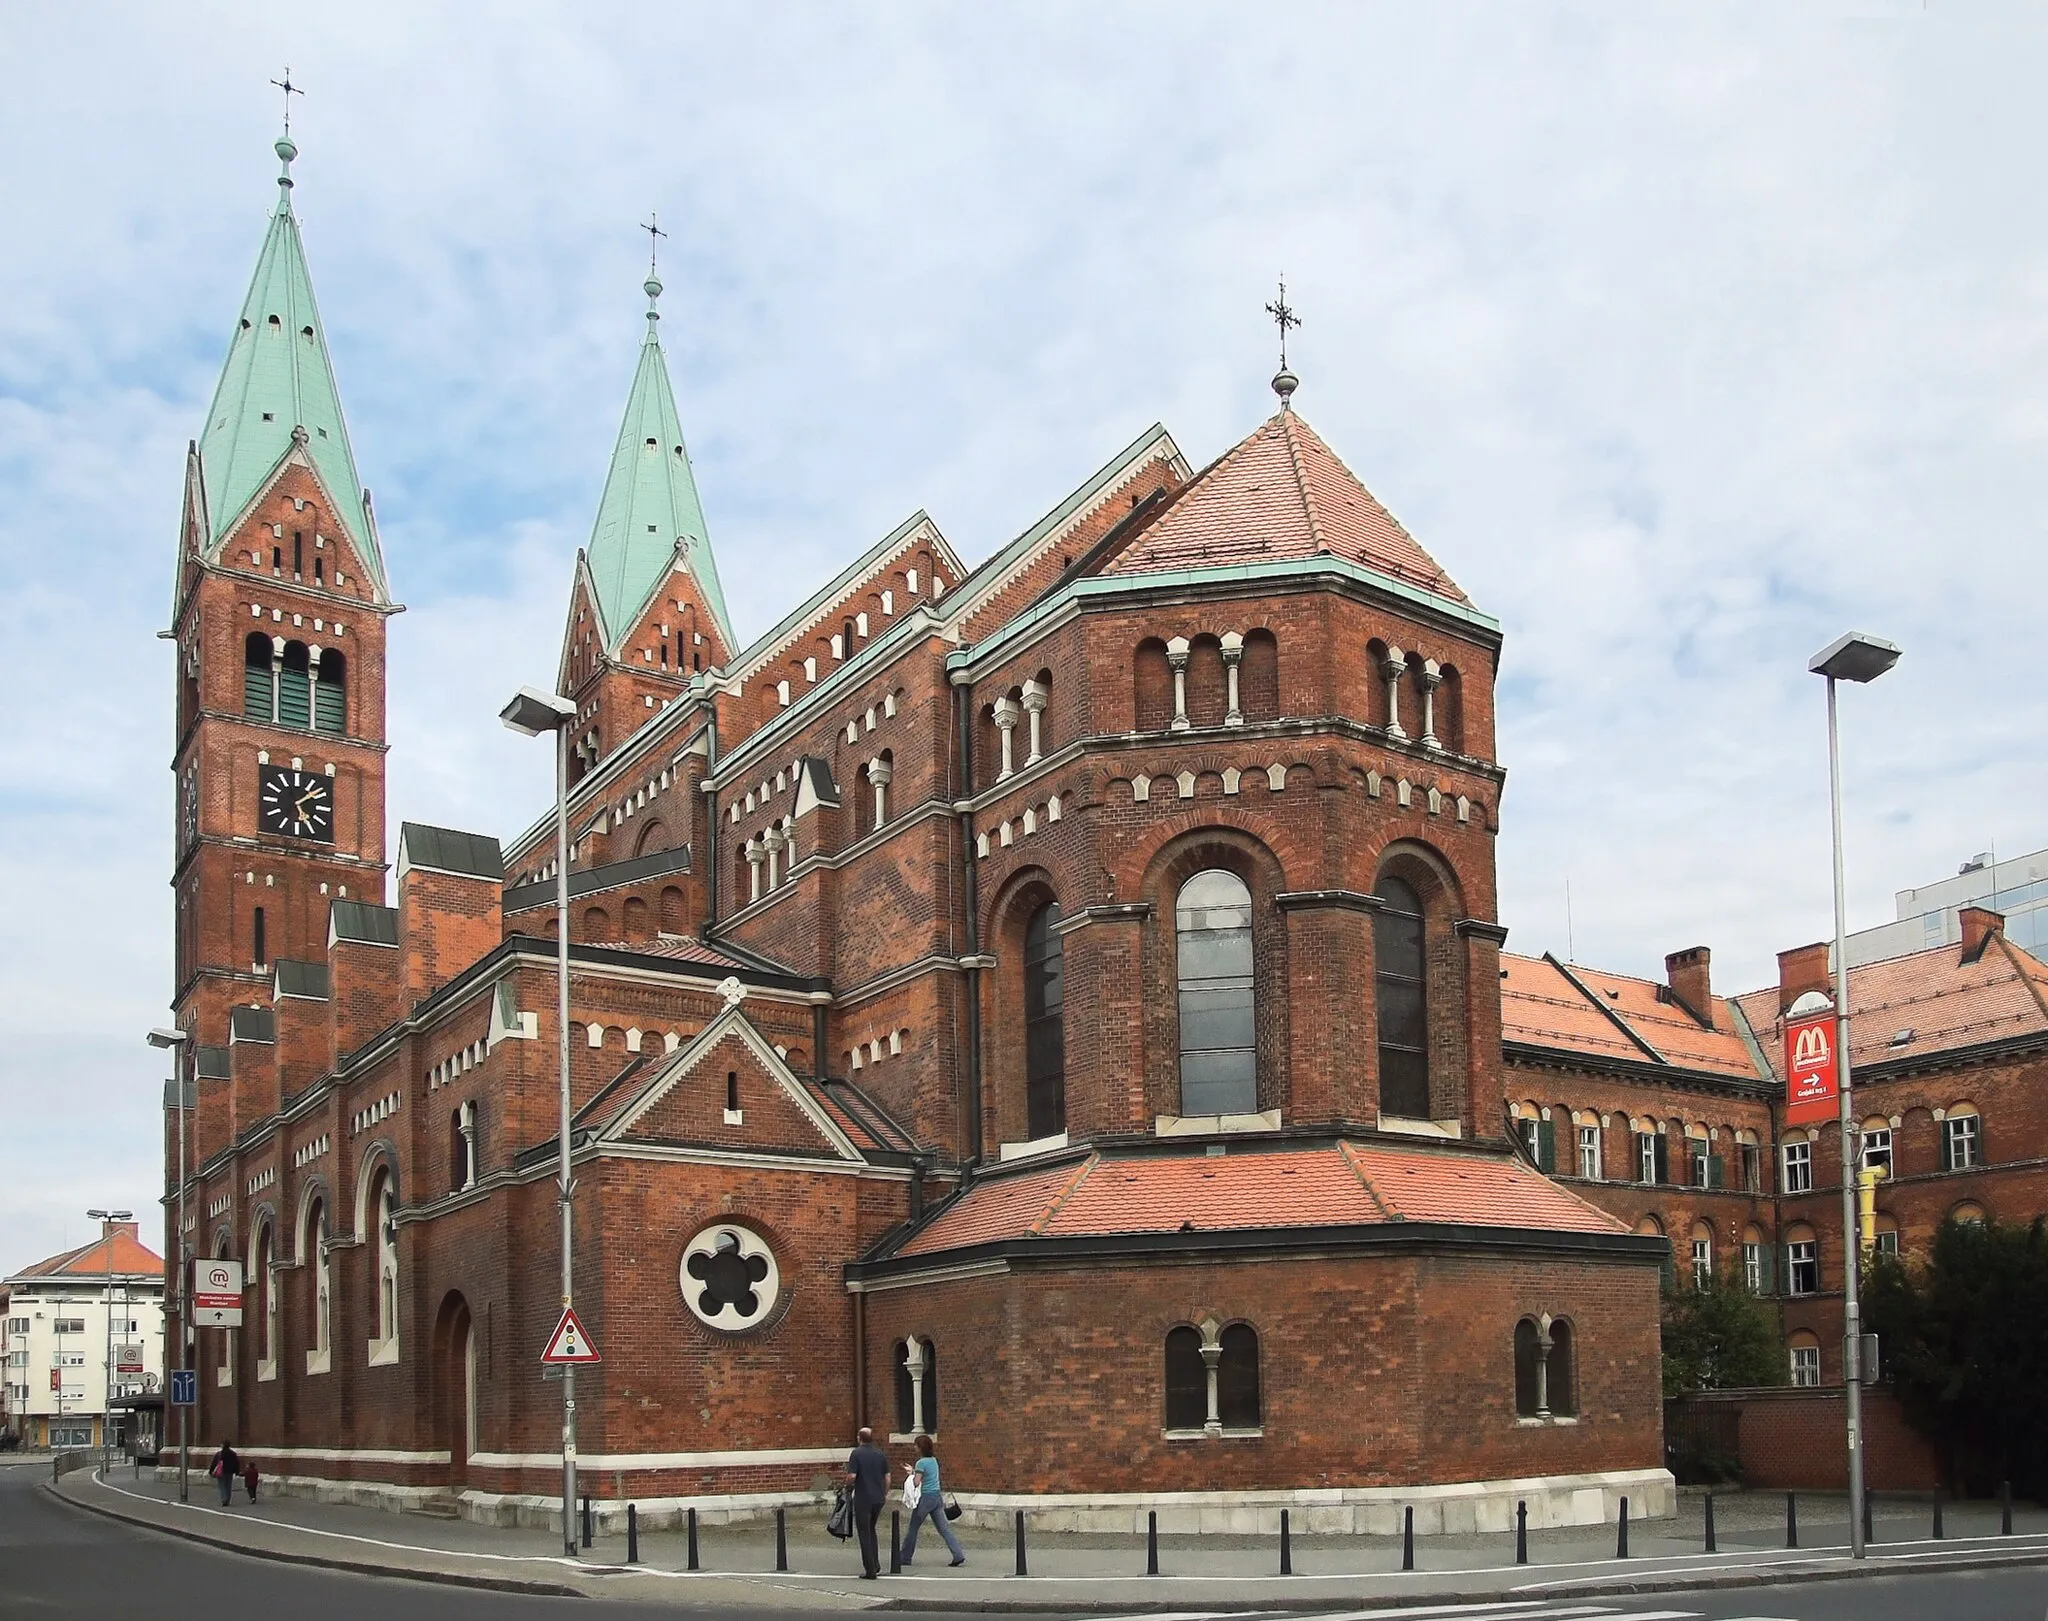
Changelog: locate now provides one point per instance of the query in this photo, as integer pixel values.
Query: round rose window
(730, 1280)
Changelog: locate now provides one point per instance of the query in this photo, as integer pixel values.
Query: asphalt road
(57, 1561)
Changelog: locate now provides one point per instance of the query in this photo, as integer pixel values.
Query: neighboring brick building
(1055, 1002)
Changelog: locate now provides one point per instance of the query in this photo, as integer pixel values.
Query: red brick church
(1052, 1001)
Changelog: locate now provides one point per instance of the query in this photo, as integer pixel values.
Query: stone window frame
(914, 1374)
(1804, 1361)
(1796, 1168)
(1962, 1138)
(1802, 1267)
(1537, 1354)
(1212, 1334)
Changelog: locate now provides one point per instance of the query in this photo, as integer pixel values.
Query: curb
(354, 1567)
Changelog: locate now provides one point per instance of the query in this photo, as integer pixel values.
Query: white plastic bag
(913, 1489)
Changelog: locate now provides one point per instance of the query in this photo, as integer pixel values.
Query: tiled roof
(132, 1258)
(1281, 493)
(1945, 1002)
(1545, 1004)
(864, 1120)
(676, 948)
(1330, 1185)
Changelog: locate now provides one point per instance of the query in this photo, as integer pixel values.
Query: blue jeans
(931, 1507)
(227, 1489)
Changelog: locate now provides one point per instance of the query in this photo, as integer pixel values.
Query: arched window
(1528, 1359)
(1152, 679)
(264, 1282)
(1206, 701)
(1237, 1378)
(1398, 968)
(462, 1147)
(653, 838)
(1218, 1048)
(673, 919)
(1187, 1380)
(1562, 1370)
(597, 924)
(259, 681)
(295, 687)
(636, 924)
(313, 1250)
(330, 692)
(1045, 1034)
(1259, 683)
(1702, 1255)
(1805, 1352)
(383, 1206)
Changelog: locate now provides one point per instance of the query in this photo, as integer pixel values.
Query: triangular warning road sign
(569, 1343)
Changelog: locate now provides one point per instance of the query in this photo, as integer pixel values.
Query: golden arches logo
(1811, 1047)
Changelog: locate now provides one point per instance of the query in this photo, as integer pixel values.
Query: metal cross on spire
(654, 233)
(1284, 381)
(290, 90)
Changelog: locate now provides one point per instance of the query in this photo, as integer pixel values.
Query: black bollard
(895, 1542)
(632, 1533)
(1286, 1546)
(1621, 1534)
(2005, 1508)
(1408, 1537)
(693, 1539)
(1711, 1546)
(1939, 1533)
(1152, 1543)
(1867, 1534)
(1791, 1521)
(1021, 1570)
(1522, 1532)
(586, 1519)
(782, 1539)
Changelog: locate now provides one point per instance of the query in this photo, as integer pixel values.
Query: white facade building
(73, 1330)
(2016, 886)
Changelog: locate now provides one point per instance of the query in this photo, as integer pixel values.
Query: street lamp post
(536, 714)
(106, 1219)
(176, 1042)
(1859, 658)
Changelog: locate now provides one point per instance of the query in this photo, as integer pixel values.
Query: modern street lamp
(536, 714)
(1862, 659)
(177, 1042)
(106, 1219)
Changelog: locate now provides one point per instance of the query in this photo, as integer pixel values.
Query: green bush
(1718, 1337)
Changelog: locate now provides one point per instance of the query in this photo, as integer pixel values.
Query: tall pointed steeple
(650, 516)
(277, 392)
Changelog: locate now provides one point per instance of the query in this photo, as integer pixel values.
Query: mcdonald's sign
(1812, 1077)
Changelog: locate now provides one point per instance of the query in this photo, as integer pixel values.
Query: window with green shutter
(330, 694)
(259, 686)
(295, 687)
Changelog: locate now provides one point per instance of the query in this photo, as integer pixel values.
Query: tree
(1964, 1340)
(1718, 1336)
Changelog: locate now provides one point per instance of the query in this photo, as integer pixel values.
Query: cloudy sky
(1683, 337)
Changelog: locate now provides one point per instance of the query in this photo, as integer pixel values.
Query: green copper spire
(277, 386)
(650, 510)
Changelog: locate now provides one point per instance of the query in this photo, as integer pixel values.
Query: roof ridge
(1612, 1016)
(1308, 506)
(2011, 955)
(1059, 1200)
(1349, 1153)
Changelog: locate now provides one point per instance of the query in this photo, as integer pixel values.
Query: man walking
(867, 1478)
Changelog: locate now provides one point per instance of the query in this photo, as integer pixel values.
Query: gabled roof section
(1597, 1016)
(276, 392)
(362, 923)
(446, 849)
(1281, 493)
(130, 1256)
(649, 516)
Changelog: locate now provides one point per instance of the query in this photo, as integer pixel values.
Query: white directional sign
(217, 1294)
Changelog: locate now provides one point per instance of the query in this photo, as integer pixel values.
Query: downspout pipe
(970, 895)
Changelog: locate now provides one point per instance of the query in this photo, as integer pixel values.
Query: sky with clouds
(1684, 337)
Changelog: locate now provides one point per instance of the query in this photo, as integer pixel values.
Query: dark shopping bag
(840, 1524)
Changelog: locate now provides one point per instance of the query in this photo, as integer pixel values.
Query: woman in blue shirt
(931, 1504)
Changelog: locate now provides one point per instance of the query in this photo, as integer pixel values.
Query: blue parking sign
(184, 1388)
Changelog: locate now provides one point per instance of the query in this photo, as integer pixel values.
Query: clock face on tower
(296, 803)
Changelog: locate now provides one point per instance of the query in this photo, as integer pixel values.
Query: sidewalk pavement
(1075, 1573)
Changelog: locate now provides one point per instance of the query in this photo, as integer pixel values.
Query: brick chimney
(1803, 969)
(451, 891)
(1980, 923)
(1692, 987)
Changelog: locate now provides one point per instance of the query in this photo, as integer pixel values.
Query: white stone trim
(766, 1457)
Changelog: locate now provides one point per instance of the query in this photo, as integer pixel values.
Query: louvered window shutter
(1717, 1171)
(1546, 1145)
(1663, 1152)
(294, 697)
(259, 694)
(329, 710)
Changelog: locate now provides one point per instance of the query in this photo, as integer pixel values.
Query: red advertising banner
(1812, 1077)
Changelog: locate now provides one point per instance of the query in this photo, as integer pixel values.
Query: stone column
(913, 1364)
(879, 773)
(1233, 656)
(755, 856)
(1177, 656)
(1212, 1353)
(1006, 713)
(1393, 668)
(1431, 678)
(1543, 1347)
(775, 840)
(1034, 711)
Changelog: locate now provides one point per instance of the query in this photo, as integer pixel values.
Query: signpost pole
(1852, 1316)
(562, 1036)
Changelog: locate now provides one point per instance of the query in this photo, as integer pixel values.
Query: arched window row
(993, 841)
(1212, 1380)
(631, 1038)
(294, 683)
(1546, 1368)
(916, 1366)
(1415, 696)
(769, 856)
(1023, 706)
(1603, 1146)
(1184, 683)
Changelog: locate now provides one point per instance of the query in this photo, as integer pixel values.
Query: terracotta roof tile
(1281, 493)
(677, 949)
(132, 1258)
(1541, 1007)
(1945, 1002)
(1332, 1185)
